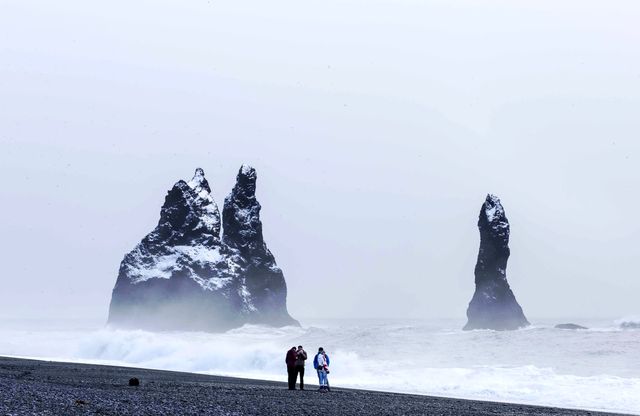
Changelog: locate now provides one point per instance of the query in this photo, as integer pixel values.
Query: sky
(376, 127)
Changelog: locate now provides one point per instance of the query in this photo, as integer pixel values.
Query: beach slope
(56, 388)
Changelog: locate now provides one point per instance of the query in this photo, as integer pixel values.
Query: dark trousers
(291, 371)
(299, 370)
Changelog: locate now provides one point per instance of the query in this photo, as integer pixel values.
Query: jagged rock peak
(493, 210)
(199, 183)
(190, 207)
(492, 216)
(247, 170)
(246, 182)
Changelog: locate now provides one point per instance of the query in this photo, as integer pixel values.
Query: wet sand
(29, 387)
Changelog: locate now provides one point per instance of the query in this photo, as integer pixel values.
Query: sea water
(596, 369)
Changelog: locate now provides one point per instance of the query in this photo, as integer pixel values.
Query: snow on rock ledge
(182, 276)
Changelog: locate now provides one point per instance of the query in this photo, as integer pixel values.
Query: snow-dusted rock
(182, 276)
(265, 285)
(493, 305)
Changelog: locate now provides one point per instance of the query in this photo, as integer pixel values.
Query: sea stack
(184, 276)
(493, 305)
(261, 276)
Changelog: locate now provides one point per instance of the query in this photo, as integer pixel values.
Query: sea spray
(594, 369)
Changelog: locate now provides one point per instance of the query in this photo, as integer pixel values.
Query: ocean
(595, 369)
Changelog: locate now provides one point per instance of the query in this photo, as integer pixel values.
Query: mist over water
(595, 369)
(374, 147)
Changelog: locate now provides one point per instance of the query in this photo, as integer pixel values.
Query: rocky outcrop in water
(184, 276)
(493, 305)
(570, 326)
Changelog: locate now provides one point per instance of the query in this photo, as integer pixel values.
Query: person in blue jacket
(321, 364)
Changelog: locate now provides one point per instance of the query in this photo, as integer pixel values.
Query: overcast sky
(376, 127)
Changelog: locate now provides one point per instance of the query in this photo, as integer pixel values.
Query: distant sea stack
(185, 276)
(493, 305)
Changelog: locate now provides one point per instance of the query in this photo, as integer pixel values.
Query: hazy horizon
(376, 133)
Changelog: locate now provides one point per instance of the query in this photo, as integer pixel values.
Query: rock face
(262, 278)
(493, 305)
(184, 276)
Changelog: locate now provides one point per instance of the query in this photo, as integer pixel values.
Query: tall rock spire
(493, 305)
(241, 216)
(242, 231)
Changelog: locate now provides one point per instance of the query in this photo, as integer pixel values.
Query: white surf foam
(580, 369)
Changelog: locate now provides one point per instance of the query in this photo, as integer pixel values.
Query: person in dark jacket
(301, 357)
(290, 360)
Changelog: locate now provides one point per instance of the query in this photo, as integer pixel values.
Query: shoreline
(37, 386)
(309, 373)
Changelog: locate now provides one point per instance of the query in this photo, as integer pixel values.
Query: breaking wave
(630, 322)
(579, 369)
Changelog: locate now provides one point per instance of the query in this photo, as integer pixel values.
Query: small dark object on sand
(570, 326)
(134, 381)
(80, 402)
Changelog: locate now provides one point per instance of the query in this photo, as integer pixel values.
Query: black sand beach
(30, 387)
